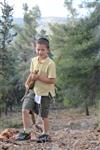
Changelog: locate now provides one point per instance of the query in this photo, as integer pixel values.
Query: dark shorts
(28, 102)
(41, 109)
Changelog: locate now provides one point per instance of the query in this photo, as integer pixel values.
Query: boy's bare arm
(31, 79)
(46, 79)
(27, 82)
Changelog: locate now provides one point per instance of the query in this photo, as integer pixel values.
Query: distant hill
(59, 20)
(44, 20)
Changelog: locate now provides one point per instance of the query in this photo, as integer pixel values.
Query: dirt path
(69, 131)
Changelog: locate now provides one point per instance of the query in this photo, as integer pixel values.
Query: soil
(68, 131)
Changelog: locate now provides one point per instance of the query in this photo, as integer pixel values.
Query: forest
(75, 47)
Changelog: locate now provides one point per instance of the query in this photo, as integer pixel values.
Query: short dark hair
(43, 40)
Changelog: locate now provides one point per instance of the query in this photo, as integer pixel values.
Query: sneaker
(23, 136)
(43, 138)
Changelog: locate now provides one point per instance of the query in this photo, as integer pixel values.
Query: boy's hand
(27, 87)
(34, 75)
(31, 79)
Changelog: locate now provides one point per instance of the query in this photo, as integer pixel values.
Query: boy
(44, 86)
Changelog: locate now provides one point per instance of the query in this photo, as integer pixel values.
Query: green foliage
(24, 47)
(78, 66)
(6, 25)
(25, 41)
(66, 102)
(6, 55)
(69, 4)
(11, 122)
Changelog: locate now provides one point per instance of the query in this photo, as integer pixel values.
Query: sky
(48, 8)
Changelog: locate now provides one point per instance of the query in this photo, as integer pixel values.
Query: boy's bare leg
(33, 117)
(45, 125)
(26, 119)
(38, 127)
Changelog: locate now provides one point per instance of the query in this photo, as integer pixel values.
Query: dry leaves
(68, 132)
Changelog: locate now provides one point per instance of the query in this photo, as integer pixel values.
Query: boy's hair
(43, 40)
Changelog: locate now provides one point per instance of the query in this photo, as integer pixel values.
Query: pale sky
(48, 8)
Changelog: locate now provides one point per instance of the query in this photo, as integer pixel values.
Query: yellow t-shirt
(46, 68)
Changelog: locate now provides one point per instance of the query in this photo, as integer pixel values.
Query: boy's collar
(42, 60)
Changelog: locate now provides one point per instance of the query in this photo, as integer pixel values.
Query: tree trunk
(0, 111)
(86, 109)
(6, 109)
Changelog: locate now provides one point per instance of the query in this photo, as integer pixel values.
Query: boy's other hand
(34, 76)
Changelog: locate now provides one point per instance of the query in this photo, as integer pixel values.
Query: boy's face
(42, 50)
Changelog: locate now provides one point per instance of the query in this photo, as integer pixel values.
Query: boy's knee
(44, 118)
(25, 111)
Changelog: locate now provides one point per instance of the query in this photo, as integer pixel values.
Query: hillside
(43, 20)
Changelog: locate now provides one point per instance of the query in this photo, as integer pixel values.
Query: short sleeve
(52, 70)
(31, 66)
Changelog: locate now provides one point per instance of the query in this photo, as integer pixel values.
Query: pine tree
(24, 45)
(6, 59)
(78, 49)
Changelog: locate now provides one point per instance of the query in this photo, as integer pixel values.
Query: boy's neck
(42, 58)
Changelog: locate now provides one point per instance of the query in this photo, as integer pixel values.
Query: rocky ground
(69, 131)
